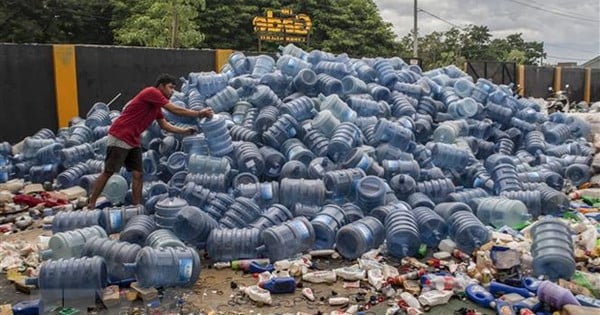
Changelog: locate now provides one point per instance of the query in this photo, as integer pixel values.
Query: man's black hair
(165, 79)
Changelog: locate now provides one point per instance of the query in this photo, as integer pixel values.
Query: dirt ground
(213, 294)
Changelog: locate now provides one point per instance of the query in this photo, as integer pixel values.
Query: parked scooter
(558, 101)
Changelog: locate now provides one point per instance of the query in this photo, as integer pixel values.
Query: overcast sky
(570, 31)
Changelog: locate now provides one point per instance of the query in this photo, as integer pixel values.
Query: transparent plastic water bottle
(301, 108)
(294, 149)
(552, 249)
(217, 135)
(354, 85)
(356, 238)
(329, 85)
(402, 234)
(248, 158)
(74, 282)
(264, 64)
(290, 65)
(137, 230)
(307, 191)
(345, 136)
(432, 226)
(163, 238)
(166, 210)
(337, 107)
(385, 72)
(288, 238)
(284, 128)
(115, 189)
(578, 173)
(305, 81)
(498, 212)
(326, 224)
(370, 192)
(166, 267)
(335, 69)
(467, 231)
(193, 226)
(113, 220)
(231, 244)
(115, 253)
(342, 183)
(70, 243)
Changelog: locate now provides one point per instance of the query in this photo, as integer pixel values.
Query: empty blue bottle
(432, 226)
(295, 150)
(264, 64)
(328, 85)
(166, 210)
(115, 254)
(354, 85)
(419, 199)
(290, 65)
(450, 156)
(66, 221)
(241, 213)
(385, 72)
(402, 234)
(358, 237)
(41, 173)
(358, 158)
(301, 108)
(335, 69)
(337, 107)
(163, 238)
(308, 191)
(436, 189)
(288, 238)
(208, 164)
(284, 128)
(467, 231)
(248, 158)
(305, 81)
(231, 244)
(70, 243)
(74, 282)
(113, 220)
(552, 249)
(317, 142)
(193, 226)
(137, 229)
(217, 136)
(370, 193)
(447, 209)
(498, 212)
(50, 154)
(326, 224)
(325, 122)
(293, 169)
(166, 267)
(319, 166)
(578, 173)
(115, 189)
(345, 136)
(342, 183)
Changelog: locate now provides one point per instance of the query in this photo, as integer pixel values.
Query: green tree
(351, 26)
(157, 23)
(56, 21)
(456, 46)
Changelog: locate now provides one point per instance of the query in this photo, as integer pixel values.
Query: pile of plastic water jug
(313, 150)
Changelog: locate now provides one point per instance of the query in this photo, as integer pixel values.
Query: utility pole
(174, 24)
(415, 44)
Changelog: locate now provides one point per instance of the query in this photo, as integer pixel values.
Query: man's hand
(189, 131)
(206, 112)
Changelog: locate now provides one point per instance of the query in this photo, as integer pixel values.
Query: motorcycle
(558, 101)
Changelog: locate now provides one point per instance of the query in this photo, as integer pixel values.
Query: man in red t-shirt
(123, 144)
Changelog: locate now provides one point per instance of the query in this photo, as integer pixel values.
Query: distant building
(592, 63)
(567, 64)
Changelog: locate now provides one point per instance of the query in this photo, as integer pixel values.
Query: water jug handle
(46, 254)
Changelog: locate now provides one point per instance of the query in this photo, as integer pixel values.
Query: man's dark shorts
(117, 157)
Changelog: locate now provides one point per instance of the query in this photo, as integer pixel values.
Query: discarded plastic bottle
(137, 230)
(288, 238)
(70, 243)
(467, 231)
(193, 226)
(115, 254)
(326, 224)
(356, 238)
(278, 285)
(498, 212)
(402, 234)
(166, 210)
(308, 191)
(74, 282)
(113, 220)
(370, 192)
(231, 244)
(65, 221)
(217, 135)
(166, 267)
(276, 214)
(432, 226)
(552, 249)
(163, 238)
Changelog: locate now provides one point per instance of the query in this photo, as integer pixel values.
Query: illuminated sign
(289, 27)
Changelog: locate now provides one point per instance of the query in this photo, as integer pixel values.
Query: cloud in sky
(570, 31)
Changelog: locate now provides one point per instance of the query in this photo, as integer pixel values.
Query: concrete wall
(27, 98)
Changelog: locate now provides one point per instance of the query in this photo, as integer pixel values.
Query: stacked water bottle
(325, 151)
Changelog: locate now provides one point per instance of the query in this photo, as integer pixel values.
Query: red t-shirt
(138, 115)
